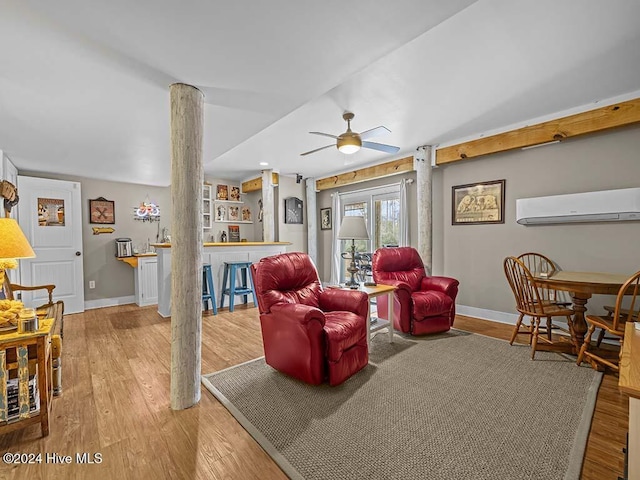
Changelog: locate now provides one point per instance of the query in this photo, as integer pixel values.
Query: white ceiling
(84, 84)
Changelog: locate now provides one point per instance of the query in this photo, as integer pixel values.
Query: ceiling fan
(350, 142)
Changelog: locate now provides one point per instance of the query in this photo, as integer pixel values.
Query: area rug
(450, 406)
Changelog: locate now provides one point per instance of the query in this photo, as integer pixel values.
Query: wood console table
(21, 355)
(629, 383)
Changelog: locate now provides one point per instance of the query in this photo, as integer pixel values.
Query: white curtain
(335, 242)
(404, 215)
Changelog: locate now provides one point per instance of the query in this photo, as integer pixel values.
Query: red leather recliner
(422, 304)
(309, 333)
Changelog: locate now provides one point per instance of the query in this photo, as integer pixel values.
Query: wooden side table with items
(629, 383)
(26, 385)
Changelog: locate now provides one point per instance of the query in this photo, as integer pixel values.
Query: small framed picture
(293, 210)
(325, 219)
(234, 194)
(246, 214)
(233, 213)
(222, 192)
(102, 210)
(221, 213)
(477, 203)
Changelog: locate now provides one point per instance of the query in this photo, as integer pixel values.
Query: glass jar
(27, 321)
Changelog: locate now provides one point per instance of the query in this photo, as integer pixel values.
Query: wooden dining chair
(538, 263)
(626, 310)
(611, 310)
(529, 302)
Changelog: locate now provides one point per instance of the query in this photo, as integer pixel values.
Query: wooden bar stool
(208, 292)
(231, 270)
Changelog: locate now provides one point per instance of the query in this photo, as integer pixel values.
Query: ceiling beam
(604, 118)
(255, 184)
(369, 173)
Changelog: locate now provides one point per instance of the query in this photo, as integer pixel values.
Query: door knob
(78, 254)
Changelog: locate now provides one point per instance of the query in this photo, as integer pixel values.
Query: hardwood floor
(115, 402)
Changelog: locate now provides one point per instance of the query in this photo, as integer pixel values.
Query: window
(380, 208)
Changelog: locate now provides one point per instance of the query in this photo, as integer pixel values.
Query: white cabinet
(146, 280)
(207, 207)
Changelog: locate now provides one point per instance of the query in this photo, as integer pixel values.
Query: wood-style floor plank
(115, 401)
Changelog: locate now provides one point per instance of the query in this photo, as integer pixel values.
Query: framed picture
(292, 210)
(221, 213)
(234, 194)
(477, 203)
(234, 233)
(102, 210)
(325, 219)
(222, 192)
(246, 214)
(51, 212)
(234, 213)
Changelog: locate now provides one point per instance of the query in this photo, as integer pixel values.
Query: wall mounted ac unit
(603, 206)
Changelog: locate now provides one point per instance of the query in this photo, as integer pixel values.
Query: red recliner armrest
(297, 313)
(399, 284)
(336, 299)
(446, 285)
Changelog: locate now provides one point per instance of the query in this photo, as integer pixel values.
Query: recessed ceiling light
(264, 164)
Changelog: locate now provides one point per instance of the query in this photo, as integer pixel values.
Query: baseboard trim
(109, 302)
(485, 314)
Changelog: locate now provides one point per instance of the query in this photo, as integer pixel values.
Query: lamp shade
(13, 243)
(353, 228)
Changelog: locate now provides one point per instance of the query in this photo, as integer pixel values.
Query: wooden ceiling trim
(369, 173)
(604, 118)
(255, 184)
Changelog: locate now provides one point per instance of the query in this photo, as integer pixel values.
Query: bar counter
(215, 254)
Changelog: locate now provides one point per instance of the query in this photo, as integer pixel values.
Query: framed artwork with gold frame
(478, 203)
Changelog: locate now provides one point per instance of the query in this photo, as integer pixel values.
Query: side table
(379, 323)
(19, 352)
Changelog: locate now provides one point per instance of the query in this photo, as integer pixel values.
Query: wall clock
(292, 210)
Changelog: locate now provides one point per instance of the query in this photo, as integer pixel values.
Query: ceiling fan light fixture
(349, 144)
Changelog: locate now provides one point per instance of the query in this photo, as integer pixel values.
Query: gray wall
(295, 233)
(114, 278)
(474, 253)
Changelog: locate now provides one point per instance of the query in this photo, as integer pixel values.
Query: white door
(49, 213)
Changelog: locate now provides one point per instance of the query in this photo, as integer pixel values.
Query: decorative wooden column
(187, 176)
(268, 207)
(423, 192)
(312, 219)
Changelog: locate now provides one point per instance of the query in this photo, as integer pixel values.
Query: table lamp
(353, 228)
(13, 245)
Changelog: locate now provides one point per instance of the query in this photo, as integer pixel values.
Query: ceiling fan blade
(324, 134)
(374, 132)
(317, 150)
(380, 146)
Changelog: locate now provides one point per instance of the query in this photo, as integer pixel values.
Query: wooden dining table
(581, 286)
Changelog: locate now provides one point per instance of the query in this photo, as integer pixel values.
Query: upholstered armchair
(311, 334)
(422, 304)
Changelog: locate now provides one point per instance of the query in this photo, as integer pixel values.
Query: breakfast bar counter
(215, 254)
